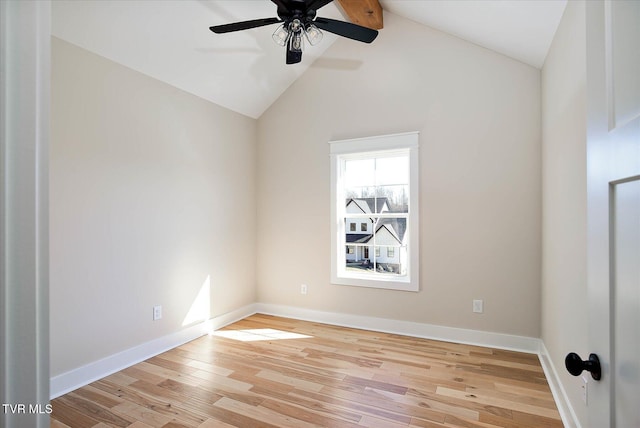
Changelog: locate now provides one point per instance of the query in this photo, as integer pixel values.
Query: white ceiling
(246, 71)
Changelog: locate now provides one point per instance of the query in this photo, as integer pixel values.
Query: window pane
(360, 192)
(391, 260)
(358, 259)
(359, 173)
(392, 170)
(396, 198)
(391, 231)
(383, 253)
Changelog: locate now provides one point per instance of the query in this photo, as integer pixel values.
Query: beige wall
(564, 267)
(478, 114)
(152, 192)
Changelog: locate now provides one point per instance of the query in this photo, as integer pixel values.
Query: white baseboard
(73, 379)
(568, 415)
(408, 328)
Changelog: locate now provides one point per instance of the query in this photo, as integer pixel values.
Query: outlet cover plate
(157, 313)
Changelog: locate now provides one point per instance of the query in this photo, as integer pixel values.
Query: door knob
(575, 365)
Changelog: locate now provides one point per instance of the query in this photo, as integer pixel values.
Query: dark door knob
(575, 365)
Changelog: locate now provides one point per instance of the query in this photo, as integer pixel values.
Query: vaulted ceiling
(246, 71)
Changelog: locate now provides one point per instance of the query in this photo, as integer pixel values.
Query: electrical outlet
(478, 306)
(157, 313)
(303, 289)
(585, 390)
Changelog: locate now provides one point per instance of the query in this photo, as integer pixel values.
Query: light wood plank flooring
(267, 371)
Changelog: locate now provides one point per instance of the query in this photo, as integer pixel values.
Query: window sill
(388, 284)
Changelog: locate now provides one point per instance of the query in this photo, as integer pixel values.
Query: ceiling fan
(298, 17)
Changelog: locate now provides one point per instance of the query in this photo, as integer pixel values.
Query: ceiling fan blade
(280, 4)
(283, 7)
(317, 4)
(347, 29)
(243, 25)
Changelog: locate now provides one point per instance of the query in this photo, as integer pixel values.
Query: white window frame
(342, 150)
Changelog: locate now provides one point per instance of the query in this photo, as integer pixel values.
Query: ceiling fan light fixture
(313, 34)
(296, 17)
(296, 42)
(295, 25)
(281, 35)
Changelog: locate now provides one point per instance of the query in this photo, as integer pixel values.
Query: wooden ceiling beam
(367, 13)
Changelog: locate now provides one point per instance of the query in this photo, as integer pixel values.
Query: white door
(613, 167)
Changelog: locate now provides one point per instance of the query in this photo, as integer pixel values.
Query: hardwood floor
(267, 371)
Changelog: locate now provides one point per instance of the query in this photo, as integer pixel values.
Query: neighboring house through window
(375, 183)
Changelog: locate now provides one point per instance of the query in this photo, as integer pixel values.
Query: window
(374, 182)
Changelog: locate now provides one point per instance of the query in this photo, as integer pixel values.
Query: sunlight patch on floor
(256, 334)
